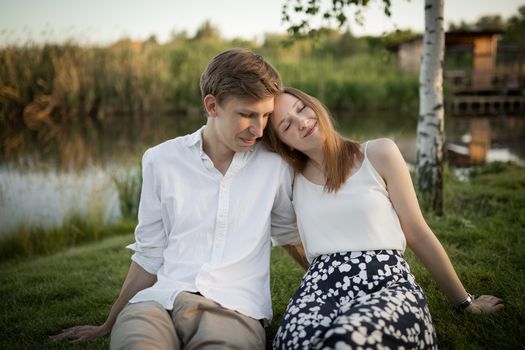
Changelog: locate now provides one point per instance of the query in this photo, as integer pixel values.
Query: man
(200, 272)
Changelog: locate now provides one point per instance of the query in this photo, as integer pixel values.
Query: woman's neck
(316, 159)
(315, 169)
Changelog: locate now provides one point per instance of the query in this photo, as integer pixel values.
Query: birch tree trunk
(430, 127)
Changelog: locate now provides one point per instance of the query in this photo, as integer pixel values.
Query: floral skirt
(355, 300)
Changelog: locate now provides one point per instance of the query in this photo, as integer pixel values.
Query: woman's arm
(388, 161)
(136, 280)
(298, 254)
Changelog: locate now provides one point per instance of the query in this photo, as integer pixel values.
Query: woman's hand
(79, 334)
(485, 304)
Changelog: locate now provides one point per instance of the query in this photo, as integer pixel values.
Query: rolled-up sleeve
(284, 225)
(150, 235)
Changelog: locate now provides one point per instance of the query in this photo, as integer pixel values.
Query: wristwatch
(465, 303)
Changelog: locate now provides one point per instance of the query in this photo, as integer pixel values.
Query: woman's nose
(304, 124)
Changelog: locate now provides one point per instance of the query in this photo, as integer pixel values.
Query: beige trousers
(194, 323)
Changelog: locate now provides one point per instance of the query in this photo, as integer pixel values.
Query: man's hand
(79, 334)
(136, 280)
(485, 304)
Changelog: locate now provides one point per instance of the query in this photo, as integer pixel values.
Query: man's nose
(257, 126)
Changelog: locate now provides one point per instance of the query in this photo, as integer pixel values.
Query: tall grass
(58, 98)
(128, 183)
(359, 82)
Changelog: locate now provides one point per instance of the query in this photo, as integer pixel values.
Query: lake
(40, 190)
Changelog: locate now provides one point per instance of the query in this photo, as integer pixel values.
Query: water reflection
(479, 140)
(78, 145)
(81, 174)
(42, 193)
(46, 199)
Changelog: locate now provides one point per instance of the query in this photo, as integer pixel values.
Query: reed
(359, 82)
(57, 99)
(128, 183)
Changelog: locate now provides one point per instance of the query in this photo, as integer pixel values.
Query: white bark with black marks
(430, 127)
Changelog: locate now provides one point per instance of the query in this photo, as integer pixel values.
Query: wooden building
(483, 79)
(482, 76)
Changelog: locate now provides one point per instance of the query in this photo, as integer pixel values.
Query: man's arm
(297, 253)
(150, 242)
(136, 280)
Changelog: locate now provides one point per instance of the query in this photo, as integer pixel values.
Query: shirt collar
(195, 140)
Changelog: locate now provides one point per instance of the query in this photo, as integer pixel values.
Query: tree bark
(430, 128)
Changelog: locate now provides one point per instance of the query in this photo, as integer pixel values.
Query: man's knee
(144, 325)
(202, 323)
(230, 334)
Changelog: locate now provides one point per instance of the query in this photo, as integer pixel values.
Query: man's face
(241, 121)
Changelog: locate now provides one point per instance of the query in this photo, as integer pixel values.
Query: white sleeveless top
(358, 217)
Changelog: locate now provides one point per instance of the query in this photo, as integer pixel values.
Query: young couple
(199, 276)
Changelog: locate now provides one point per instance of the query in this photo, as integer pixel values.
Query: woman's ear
(210, 104)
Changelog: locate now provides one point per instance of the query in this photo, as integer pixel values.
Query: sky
(105, 21)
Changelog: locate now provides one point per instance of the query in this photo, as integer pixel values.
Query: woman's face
(296, 124)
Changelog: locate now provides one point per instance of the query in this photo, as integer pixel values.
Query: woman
(356, 211)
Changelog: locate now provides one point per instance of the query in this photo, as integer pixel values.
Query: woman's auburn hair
(339, 152)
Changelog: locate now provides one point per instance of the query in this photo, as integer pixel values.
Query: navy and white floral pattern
(357, 300)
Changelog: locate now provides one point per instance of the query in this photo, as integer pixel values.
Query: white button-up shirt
(202, 231)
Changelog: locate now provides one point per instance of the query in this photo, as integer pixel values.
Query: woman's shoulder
(383, 153)
(380, 148)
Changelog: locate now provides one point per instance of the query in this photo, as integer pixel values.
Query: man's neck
(220, 155)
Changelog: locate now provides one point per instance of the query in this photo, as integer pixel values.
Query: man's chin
(244, 147)
(247, 142)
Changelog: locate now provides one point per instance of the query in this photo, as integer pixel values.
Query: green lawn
(483, 232)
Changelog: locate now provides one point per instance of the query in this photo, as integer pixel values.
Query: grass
(43, 295)
(30, 242)
(482, 232)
